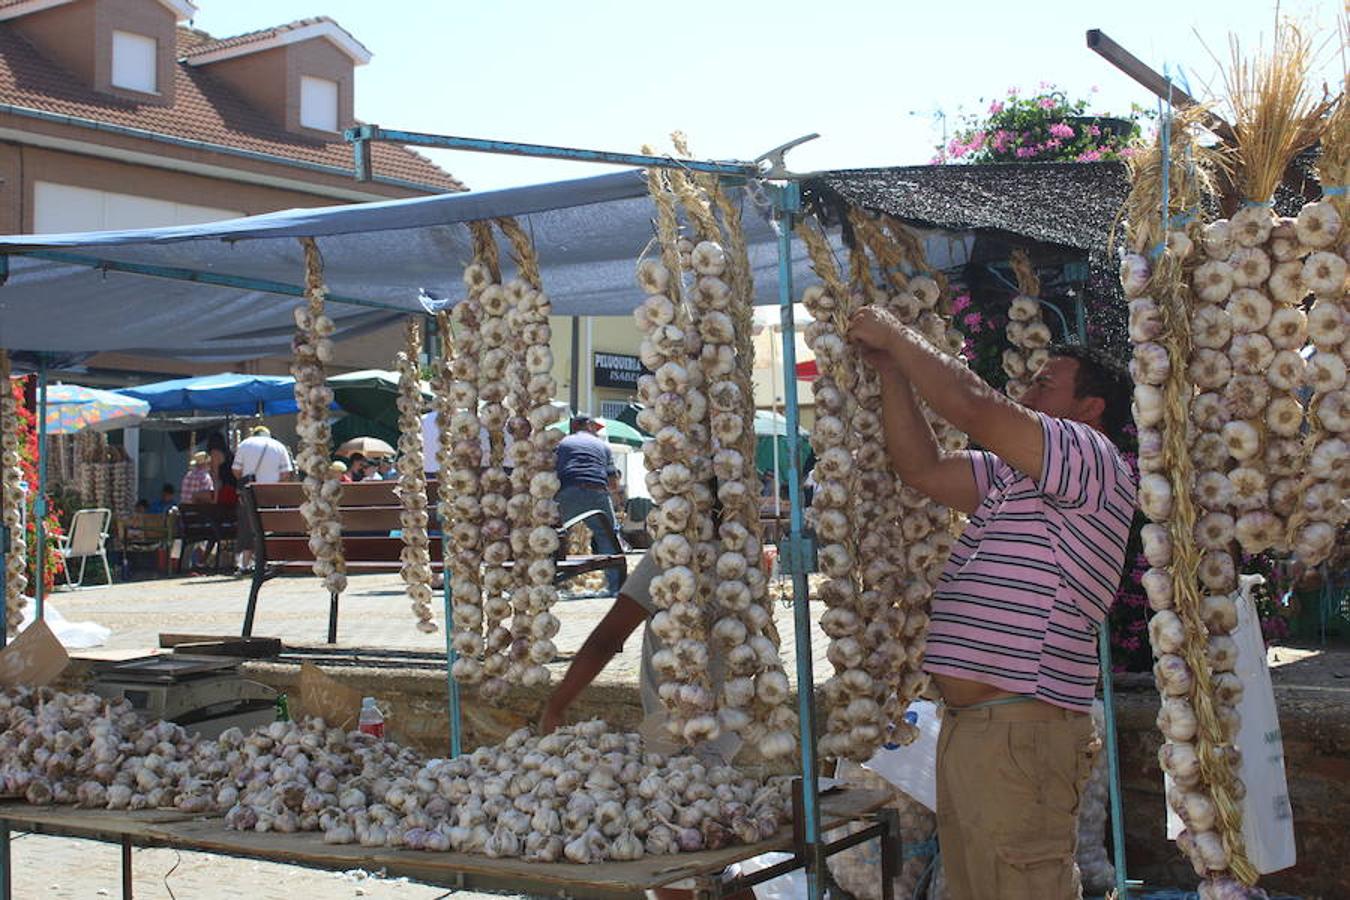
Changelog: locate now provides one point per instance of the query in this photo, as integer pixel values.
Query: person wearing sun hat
(197, 482)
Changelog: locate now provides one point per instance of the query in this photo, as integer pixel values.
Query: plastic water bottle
(371, 721)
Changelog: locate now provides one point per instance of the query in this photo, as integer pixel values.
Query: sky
(878, 80)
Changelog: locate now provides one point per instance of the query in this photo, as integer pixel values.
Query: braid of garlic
(533, 537)
(11, 502)
(471, 514)
(676, 414)
(496, 362)
(1026, 329)
(850, 694)
(412, 483)
(323, 492)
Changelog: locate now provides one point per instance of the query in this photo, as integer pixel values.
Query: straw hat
(201, 457)
(337, 466)
(259, 430)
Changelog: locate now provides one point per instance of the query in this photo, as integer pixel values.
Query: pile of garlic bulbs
(313, 348)
(1095, 869)
(581, 794)
(1026, 329)
(412, 483)
(856, 869)
(11, 503)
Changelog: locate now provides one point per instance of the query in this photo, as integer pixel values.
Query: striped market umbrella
(71, 408)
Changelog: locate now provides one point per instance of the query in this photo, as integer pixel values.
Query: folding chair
(88, 537)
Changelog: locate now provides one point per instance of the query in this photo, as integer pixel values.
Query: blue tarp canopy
(244, 395)
(71, 292)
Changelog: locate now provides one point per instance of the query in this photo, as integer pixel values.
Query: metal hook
(777, 167)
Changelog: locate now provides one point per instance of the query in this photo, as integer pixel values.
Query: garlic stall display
(11, 503)
(1026, 329)
(584, 794)
(415, 558)
(313, 348)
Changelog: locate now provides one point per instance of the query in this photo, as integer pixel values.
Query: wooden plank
(360, 493)
(364, 549)
(353, 518)
(610, 879)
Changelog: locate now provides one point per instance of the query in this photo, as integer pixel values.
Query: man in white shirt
(259, 457)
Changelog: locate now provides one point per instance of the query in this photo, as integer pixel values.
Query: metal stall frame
(783, 191)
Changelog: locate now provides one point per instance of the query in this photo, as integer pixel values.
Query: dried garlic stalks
(1026, 329)
(313, 348)
(412, 482)
(11, 502)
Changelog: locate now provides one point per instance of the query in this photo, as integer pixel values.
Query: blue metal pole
(1112, 759)
(787, 201)
(452, 686)
(178, 273)
(40, 501)
(360, 135)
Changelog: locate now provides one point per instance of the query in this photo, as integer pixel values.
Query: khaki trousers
(1009, 777)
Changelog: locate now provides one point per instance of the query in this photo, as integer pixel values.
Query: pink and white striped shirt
(1036, 570)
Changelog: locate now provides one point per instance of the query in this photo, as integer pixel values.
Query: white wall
(60, 208)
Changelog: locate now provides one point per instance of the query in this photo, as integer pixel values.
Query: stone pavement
(374, 613)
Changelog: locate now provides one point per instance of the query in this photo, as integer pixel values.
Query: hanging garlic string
(1026, 329)
(313, 348)
(1187, 633)
(464, 508)
(845, 620)
(533, 539)
(412, 483)
(677, 407)
(11, 502)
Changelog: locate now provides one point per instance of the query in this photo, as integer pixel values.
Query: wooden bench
(370, 515)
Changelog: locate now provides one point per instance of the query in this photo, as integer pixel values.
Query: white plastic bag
(913, 767)
(1267, 818)
(72, 635)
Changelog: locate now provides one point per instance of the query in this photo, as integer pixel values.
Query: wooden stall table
(602, 881)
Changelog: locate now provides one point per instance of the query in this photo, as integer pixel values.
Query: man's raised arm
(955, 393)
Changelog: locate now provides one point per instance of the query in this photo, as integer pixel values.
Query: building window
(318, 103)
(135, 59)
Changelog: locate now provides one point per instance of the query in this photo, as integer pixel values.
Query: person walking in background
(587, 472)
(261, 458)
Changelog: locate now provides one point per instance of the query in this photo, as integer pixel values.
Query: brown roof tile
(210, 45)
(204, 109)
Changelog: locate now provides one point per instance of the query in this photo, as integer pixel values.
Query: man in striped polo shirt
(1011, 641)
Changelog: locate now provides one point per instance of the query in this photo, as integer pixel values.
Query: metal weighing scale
(204, 694)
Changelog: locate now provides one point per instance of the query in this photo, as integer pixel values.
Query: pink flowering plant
(1043, 127)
